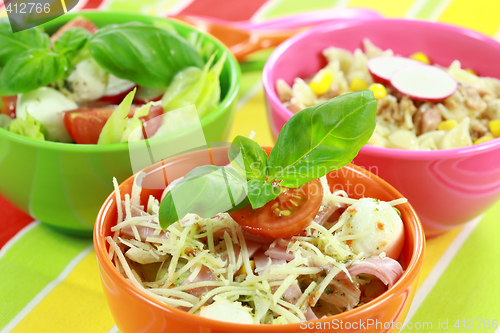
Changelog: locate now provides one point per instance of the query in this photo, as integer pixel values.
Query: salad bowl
(447, 187)
(134, 310)
(64, 184)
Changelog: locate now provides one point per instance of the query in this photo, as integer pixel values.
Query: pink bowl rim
(276, 105)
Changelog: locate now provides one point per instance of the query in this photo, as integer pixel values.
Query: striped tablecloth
(50, 282)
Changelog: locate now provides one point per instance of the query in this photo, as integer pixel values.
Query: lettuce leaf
(112, 131)
(29, 127)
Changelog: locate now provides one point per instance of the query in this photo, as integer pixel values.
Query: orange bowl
(135, 311)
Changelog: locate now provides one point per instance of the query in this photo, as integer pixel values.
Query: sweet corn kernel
(447, 125)
(321, 82)
(483, 139)
(419, 56)
(243, 269)
(358, 84)
(470, 70)
(494, 126)
(378, 90)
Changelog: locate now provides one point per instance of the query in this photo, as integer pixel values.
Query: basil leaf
(322, 138)
(31, 70)
(252, 163)
(71, 41)
(147, 55)
(261, 192)
(14, 44)
(206, 191)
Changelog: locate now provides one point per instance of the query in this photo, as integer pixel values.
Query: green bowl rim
(234, 85)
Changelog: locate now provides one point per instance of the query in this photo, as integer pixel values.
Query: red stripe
(93, 4)
(234, 10)
(12, 220)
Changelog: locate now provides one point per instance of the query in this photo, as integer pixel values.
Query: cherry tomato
(9, 106)
(85, 124)
(77, 22)
(287, 215)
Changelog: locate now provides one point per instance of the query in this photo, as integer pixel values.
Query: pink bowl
(447, 187)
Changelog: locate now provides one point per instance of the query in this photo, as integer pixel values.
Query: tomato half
(9, 106)
(85, 124)
(77, 22)
(287, 215)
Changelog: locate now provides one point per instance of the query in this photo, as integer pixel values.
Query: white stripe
(438, 11)
(440, 266)
(251, 93)
(17, 237)
(114, 329)
(497, 330)
(416, 8)
(45, 291)
(341, 3)
(497, 35)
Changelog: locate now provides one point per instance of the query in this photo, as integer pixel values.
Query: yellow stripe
(434, 249)
(77, 304)
(388, 8)
(480, 15)
(252, 117)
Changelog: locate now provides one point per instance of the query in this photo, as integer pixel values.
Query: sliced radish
(117, 89)
(382, 68)
(145, 94)
(424, 83)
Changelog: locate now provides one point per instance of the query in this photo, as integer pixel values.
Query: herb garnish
(315, 141)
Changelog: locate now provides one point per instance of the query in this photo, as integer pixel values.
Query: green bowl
(63, 185)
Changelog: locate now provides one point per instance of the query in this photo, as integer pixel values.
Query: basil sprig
(145, 54)
(315, 141)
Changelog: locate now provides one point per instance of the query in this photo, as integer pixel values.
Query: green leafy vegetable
(112, 131)
(322, 138)
(252, 162)
(261, 192)
(4, 120)
(30, 70)
(71, 41)
(147, 55)
(203, 191)
(14, 44)
(210, 95)
(29, 127)
(195, 86)
(313, 142)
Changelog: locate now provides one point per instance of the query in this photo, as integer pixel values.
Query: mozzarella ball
(376, 226)
(88, 81)
(46, 105)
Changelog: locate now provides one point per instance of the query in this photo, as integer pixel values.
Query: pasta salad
(471, 115)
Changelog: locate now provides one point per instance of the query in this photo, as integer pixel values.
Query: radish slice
(382, 68)
(424, 83)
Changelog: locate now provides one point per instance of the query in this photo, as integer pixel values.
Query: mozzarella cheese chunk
(372, 227)
(46, 105)
(88, 81)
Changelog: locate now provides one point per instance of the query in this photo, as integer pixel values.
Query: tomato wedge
(85, 124)
(287, 215)
(9, 106)
(77, 22)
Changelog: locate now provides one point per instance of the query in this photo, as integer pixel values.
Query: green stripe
(469, 288)
(36, 259)
(287, 7)
(428, 9)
